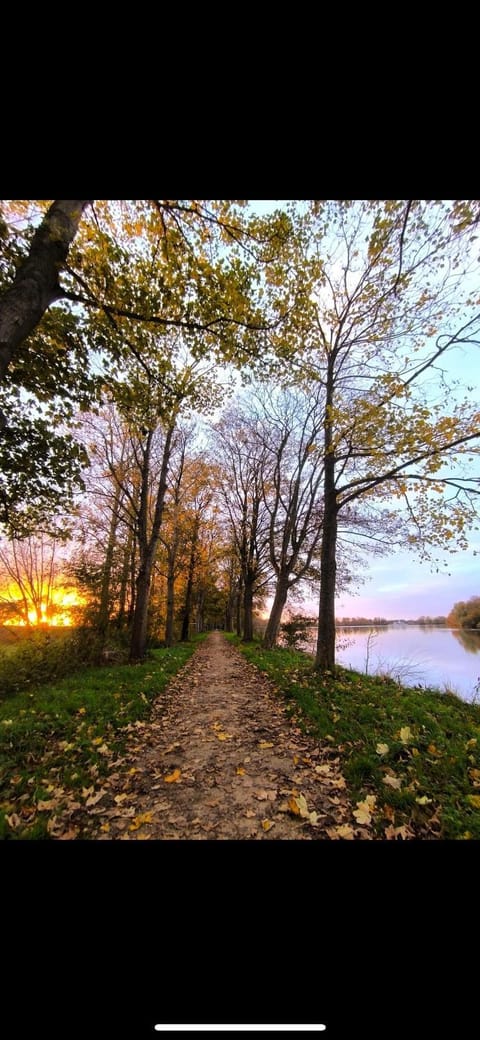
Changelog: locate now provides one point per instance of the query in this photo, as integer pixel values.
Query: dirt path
(221, 759)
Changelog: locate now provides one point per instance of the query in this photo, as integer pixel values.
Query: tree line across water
(201, 408)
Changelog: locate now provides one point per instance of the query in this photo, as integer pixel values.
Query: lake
(415, 655)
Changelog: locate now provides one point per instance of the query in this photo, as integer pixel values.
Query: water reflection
(468, 638)
(414, 654)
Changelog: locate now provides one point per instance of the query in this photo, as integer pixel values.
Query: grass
(59, 738)
(431, 742)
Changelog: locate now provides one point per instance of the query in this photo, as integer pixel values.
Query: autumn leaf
(268, 824)
(249, 813)
(426, 801)
(391, 833)
(265, 744)
(172, 778)
(405, 734)
(471, 743)
(223, 736)
(13, 821)
(364, 809)
(474, 800)
(140, 820)
(323, 769)
(382, 749)
(297, 804)
(392, 781)
(293, 806)
(345, 831)
(97, 740)
(69, 835)
(432, 750)
(105, 827)
(95, 798)
(119, 798)
(240, 771)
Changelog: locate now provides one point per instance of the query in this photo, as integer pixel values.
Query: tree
(465, 614)
(148, 266)
(387, 279)
(241, 480)
(288, 429)
(36, 283)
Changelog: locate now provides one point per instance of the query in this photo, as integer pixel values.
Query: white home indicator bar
(241, 1029)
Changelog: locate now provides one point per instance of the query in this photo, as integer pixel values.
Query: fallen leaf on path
(297, 804)
(172, 778)
(398, 832)
(140, 820)
(392, 781)
(223, 736)
(265, 744)
(267, 825)
(323, 769)
(119, 798)
(344, 831)
(96, 798)
(405, 734)
(249, 813)
(69, 835)
(364, 809)
(240, 771)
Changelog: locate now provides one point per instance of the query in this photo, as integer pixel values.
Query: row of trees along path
(220, 758)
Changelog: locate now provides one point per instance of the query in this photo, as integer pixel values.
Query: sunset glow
(55, 612)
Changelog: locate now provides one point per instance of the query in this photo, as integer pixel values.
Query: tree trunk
(35, 285)
(170, 599)
(104, 606)
(248, 608)
(238, 608)
(148, 547)
(273, 624)
(124, 579)
(325, 655)
(140, 618)
(188, 595)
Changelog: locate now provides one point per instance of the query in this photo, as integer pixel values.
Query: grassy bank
(57, 741)
(416, 752)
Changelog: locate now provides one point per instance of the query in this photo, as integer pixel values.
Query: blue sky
(401, 586)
